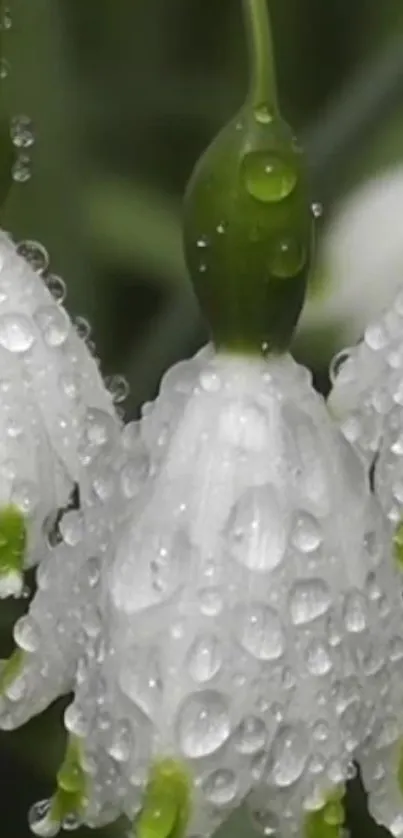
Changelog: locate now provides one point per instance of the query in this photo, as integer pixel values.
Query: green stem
(263, 77)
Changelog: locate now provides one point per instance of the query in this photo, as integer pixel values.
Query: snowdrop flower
(367, 400)
(360, 259)
(241, 636)
(51, 396)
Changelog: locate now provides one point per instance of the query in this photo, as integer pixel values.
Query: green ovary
(328, 821)
(166, 805)
(13, 540)
(71, 780)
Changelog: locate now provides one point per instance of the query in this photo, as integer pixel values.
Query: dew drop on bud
(267, 177)
(22, 131)
(21, 170)
(4, 68)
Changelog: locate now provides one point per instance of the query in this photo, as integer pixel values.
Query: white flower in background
(52, 396)
(360, 261)
(367, 401)
(245, 635)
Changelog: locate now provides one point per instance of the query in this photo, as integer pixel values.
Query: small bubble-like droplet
(204, 658)
(309, 599)
(26, 634)
(290, 754)
(35, 254)
(82, 327)
(263, 115)
(16, 333)
(4, 68)
(220, 787)
(57, 287)
(250, 735)
(202, 242)
(22, 131)
(40, 822)
(318, 660)
(259, 631)
(54, 324)
(268, 177)
(265, 821)
(307, 535)
(203, 724)
(6, 20)
(21, 170)
(355, 612)
(118, 387)
(337, 363)
(317, 209)
(288, 258)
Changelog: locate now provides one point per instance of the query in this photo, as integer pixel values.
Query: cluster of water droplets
(367, 400)
(22, 132)
(247, 622)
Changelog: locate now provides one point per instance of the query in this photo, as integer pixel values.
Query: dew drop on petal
(82, 327)
(259, 631)
(290, 754)
(256, 533)
(307, 535)
(250, 735)
(26, 634)
(118, 387)
(355, 612)
(220, 787)
(265, 821)
(35, 254)
(57, 287)
(204, 658)
(54, 325)
(309, 599)
(16, 333)
(203, 724)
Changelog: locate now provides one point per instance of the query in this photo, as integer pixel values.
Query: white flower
(367, 400)
(51, 396)
(360, 260)
(247, 620)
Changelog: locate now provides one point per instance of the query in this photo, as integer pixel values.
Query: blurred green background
(124, 95)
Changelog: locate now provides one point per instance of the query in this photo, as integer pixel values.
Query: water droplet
(6, 20)
(318, 660)
(202, 242)
(337, 363)
(75, 721)
(21, 170)
(257, 529)
(4, 68)
(16, 333)
(25, 496)
(94, 571)
(22, 131)
(250, 735)
(321, 731)
(355, 612)
(288, 258)
(317, 209)
(306, 536)
(204, 658)
(99, 427)
(268, 177)
(376, 337)
(82, 327)
(121, 746)
(26, 634)
(57, 287)
(35, 254)
(118, 387)
(290, 754)
(71, 822)
(220, 787)
(265, 821)
(203, 724)
(259, 631)
(221, 229)
(210, 381)
(40, 822)
(263, 115)
(54, 325)
(309, 599)
(71, 528)
(211, 601)
(396, 649)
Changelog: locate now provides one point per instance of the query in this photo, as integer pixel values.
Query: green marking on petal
(328, 821)
(71, 780)
(11, 669)
(400, 769)
(13, 540)
(166, 805)
(398, 545)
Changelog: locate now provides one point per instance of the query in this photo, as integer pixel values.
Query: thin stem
(262, 81)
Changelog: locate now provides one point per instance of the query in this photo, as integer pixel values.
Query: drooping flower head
(229, 613)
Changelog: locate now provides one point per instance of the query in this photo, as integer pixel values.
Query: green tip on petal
(328, 821)
(166, 805)
(13, 542)
(71, 780)
(398, 545)
(10, 670)
(248, 224)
